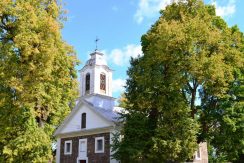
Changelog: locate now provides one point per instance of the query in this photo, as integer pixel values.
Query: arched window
(103, 82)
(87, 82)
(83, 120)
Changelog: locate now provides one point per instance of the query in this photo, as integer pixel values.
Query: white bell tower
(96, 76)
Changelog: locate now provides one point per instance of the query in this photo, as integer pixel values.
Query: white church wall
(109, 87)
(92, 121)
(58, 147)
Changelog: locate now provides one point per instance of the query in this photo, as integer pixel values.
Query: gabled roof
(108, 115)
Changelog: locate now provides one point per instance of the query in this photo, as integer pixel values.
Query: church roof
(96, 59)
(96, 52)
(110, 114)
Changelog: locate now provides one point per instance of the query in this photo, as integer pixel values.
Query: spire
(96, 41)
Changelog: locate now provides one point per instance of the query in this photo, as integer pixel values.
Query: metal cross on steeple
(97, 39)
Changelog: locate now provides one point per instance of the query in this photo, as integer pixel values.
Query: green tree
(37, 78)
(225, 120)
(190, 57)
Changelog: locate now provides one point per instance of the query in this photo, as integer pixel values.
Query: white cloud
(122, 56)
(150, 8)
(226, 10)
(118, 85)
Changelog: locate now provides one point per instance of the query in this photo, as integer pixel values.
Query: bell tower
(96, 76)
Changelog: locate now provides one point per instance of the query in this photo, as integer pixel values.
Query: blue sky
(119, 24)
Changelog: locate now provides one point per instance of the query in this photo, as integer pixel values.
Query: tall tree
(37, 78)
(190, 58)
(164, 131)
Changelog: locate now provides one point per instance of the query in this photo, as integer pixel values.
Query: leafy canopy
(37, 78)
(182, 81)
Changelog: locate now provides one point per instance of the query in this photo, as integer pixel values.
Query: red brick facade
(92, 156)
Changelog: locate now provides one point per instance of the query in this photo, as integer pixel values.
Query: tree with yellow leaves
(37, 78)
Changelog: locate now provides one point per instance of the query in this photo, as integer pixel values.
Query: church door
(83, 148)
(82, 161)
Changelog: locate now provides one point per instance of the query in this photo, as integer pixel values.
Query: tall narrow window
(83, 120)
(87, 82)
(103, 82)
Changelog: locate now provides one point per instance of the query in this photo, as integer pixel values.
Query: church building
(86, 134)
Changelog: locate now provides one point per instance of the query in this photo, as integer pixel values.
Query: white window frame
(65, 147)
(96, 150)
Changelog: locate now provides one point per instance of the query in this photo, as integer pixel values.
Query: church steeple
(96, 76)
